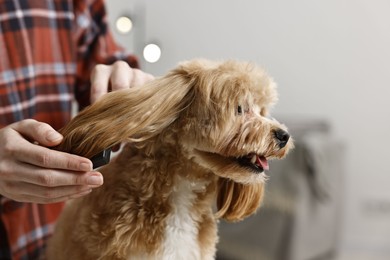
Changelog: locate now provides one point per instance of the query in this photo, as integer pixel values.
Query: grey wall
(331, 60)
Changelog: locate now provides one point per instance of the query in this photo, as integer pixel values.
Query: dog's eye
(239, 110)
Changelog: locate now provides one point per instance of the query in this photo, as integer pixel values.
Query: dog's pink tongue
(263, 162)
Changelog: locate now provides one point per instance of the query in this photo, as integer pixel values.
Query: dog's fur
(186, 131)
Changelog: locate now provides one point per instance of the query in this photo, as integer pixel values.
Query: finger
(54, 192)
(100, 78)
(38, 131)
(120, 76)
(47, 158)
(24, 189)
(42, 200)
(50, 177)
(139, 78)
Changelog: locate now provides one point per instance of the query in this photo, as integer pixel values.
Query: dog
(198, 144)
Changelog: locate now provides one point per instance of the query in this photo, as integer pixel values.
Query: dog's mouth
(252, 162)
(256, 162)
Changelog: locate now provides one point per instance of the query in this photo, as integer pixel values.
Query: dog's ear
(133, 114)
(235, 201)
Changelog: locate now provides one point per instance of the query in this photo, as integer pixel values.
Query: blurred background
(330, 198)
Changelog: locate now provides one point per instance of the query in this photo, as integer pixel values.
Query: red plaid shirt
(47, 50)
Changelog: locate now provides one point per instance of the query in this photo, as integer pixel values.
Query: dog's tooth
(253, 160)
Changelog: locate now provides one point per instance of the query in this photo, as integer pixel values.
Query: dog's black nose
(282, 137)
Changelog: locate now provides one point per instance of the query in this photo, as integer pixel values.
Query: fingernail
(54, 136)
(95, 180)
(86, 167)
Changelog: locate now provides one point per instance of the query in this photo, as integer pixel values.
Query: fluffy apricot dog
(198, 143)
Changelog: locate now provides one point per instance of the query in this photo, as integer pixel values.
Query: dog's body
(148, 208)
(198, 136)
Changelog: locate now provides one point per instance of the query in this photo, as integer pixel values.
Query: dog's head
(226, 128)
(220, 112)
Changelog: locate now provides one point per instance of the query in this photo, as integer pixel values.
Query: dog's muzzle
(282, 137)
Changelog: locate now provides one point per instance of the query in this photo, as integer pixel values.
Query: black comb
(101, 158)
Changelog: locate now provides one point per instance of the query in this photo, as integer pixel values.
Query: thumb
(39, 132)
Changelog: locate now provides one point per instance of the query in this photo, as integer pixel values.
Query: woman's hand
(118, 75)
(31, 172)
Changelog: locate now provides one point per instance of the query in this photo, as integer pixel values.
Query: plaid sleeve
(30, 224)
(95, 45)
(48, 49)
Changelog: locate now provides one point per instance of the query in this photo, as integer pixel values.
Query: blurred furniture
(300, 217)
